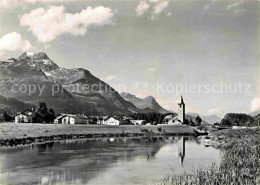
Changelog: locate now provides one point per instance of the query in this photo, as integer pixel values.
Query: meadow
(26, 133)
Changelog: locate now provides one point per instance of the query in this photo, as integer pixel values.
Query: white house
(127, 118)
(138, 122)
(109, 121)
(73, 119)
(171, 120)
(59, 117)
(25, 116)
(100, 120)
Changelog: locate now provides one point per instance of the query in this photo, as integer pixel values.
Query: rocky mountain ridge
(146, 104)
(64, 90)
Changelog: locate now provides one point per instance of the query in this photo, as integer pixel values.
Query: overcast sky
(150, 47)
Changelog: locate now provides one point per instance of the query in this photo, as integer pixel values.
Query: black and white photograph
(129, 92)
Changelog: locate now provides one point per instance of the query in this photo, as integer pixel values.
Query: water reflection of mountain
(84, 160)
(100, 154)
(77, 159)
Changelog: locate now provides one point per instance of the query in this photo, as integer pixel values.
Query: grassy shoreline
(240, 162)
(12, 134)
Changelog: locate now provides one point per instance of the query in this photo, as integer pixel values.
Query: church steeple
(182, 102)
(181, 111)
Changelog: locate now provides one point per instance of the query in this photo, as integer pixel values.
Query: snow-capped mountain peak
(40, 59)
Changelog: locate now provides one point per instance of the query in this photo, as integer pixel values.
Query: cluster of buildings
(62, 118)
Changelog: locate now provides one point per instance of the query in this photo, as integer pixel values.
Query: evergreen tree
(198, 120)
(42, 110)
(42, 115)
(50, 116)
(7, 117)
(225, 123)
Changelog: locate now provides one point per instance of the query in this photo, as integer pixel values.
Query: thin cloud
(110, 78)
(151, 69)
(206, 7)
(46, 46)
(215, 110)
(47, 24)
(255, 104)
(239, 11)
(160, 7)
(154, 1)
(142, 8)
(140, 95)
(234, 5)
(1, 54)
(169, 14)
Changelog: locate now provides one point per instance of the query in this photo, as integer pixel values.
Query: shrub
(144, 130)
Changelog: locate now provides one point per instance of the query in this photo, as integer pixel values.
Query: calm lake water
(104, 161)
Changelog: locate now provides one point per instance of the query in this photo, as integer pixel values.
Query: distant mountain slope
(257, 116)
(12, 106)
(209, 118)
(192, 116)
(255, 113)
(146, 104)
(65, 90)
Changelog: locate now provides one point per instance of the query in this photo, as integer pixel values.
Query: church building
(177, 120)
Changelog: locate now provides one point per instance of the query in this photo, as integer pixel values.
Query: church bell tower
(181, 111)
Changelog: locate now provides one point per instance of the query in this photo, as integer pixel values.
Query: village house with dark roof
(25, 116)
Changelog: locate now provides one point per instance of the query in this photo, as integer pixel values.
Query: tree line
(150, 117)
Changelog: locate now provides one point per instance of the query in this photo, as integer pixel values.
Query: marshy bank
(13, 134)
(240, 161)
